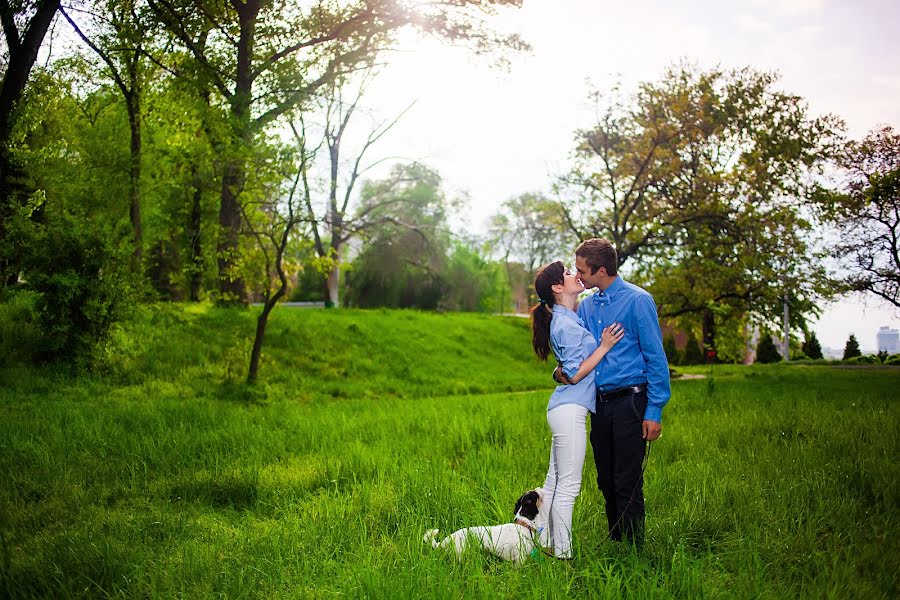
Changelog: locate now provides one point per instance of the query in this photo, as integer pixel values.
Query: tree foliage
(767, 352)
(868, 216)
(401, 260)
(811, 346)
(851, 348)
(699, 182)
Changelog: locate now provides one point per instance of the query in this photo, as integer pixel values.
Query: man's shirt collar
(606, 296)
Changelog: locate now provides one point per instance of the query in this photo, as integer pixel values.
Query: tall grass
(159, 477)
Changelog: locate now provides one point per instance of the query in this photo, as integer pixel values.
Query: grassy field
(164, 476)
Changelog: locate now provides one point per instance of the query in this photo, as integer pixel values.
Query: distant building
(888, 340)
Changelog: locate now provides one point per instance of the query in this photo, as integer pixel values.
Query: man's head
(597, 263)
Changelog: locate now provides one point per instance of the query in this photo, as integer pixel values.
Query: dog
(516, 542)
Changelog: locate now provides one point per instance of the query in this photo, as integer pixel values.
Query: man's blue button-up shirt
(638, 357)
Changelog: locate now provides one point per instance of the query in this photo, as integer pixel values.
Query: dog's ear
(527, 504)
(519, 504)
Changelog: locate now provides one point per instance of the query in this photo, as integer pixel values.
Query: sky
(495, 133)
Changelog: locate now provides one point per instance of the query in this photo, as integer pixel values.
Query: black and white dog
(516, 541)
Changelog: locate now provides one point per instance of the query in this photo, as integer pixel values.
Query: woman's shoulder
(562, 323)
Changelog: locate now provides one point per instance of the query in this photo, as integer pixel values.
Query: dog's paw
(430, 535)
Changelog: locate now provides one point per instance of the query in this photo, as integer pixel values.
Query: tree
(851, 349)
(332, 221)
(402, 261)
(767, 352)
(700, 181)
(530, 229)
(868, 216)
(811, 346)
(266, 58)
(272, 215)
(471, 282)
(25, 23)
(122, 35)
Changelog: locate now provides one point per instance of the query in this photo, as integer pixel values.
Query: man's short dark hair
(597, 253)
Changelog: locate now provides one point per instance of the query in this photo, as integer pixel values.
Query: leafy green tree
(471, 282)
(121, 39)
(529, 229)
(851, 349)
(811, 346)
(25, 23)
(264, 59)
(402, 260)
(767, 352)
(700, 180)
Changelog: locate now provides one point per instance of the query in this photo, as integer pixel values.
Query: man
(632, 386)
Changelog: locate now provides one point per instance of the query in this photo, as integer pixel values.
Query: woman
(556, 328)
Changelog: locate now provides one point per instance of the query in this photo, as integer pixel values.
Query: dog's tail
(431, 536)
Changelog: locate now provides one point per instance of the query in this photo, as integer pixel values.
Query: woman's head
(551, 284)
(547, 277)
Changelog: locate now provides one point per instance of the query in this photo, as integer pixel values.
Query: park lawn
(163, 475)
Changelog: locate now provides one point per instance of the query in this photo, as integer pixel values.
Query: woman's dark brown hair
(546, 278)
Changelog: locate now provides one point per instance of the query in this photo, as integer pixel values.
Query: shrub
(863, 360)
(19, 331)
(80, 290)
(893, 359)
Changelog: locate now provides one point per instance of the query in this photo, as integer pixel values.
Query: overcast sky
(494, 134)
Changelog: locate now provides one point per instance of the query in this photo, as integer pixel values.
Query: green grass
(164, 476)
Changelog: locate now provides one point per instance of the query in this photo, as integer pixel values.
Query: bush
(863, 360)
(19, 332)
(80, 289)
(893, 359)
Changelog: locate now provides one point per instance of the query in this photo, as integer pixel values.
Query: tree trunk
(333, 282)
(261, 323)
(21, 56)
(231, 285)
(786, 344)
(709, 336)
(194, 234)
(133, 103)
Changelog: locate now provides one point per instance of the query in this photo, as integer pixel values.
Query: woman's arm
(610, 337)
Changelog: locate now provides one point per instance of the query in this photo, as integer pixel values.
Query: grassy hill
(311, 354)
(163, 476)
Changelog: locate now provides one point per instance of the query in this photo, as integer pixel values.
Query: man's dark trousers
(619, 447)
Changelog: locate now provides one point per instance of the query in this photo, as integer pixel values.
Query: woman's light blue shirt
(572, 344)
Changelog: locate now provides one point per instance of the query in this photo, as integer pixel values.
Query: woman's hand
(611, 336)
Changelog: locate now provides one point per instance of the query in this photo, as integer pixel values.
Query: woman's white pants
(568, 424)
